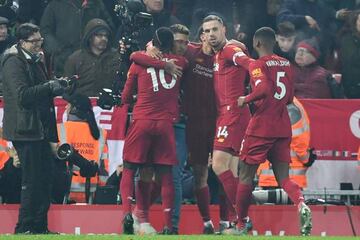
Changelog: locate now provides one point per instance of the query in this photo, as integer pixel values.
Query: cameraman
(30, 123)
(96, 63)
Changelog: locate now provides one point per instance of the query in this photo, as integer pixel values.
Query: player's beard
(216, 45)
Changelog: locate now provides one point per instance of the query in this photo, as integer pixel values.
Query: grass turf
(178, 237)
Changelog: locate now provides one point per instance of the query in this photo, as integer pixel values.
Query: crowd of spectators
(331, 26)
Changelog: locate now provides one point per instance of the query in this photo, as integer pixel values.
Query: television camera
(88, 168)
(133, 20)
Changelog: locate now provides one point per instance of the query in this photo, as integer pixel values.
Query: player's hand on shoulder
(241, 101)
(154, 52)
(173, 69)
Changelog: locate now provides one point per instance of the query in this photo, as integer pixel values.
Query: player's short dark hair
(266, 35)
(163, 39)
(286, 29)
(213, 17)
(179, 28)
(25, 30)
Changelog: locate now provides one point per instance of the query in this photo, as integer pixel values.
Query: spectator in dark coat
(62, 26)
(96, 63)
(31, 10)
(350, 58)
(310, 79)
(6, 40)
(8, 10)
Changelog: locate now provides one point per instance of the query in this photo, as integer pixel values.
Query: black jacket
(350, 64)
(29, 112)
(95, 72)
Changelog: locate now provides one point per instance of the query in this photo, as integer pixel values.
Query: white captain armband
(238, 54)
(257, 82)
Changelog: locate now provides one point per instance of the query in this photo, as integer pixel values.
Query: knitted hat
(311, 45)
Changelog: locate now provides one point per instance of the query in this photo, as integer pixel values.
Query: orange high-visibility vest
(79, 136)
(298, 150)
(4, 156)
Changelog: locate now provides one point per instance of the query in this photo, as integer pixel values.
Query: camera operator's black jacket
(94, 72)
(29, 113)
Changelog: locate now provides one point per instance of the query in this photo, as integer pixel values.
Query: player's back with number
(157, 91)
(271, 117)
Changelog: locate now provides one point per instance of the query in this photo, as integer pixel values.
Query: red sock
(143, 191)
(243, 200)
(223, 207)
(293, 190)
(203, 202)
(229, 184)
(127, 189)
(155, 192)
(167, 195)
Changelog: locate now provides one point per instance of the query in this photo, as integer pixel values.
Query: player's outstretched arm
(237, 55)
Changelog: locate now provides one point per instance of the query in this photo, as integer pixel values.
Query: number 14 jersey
(272, 89)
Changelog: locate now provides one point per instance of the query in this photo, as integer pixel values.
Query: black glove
(312, 158)
(55, 87)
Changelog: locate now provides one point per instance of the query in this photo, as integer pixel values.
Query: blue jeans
(181, 154)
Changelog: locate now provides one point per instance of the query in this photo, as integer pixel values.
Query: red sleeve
(237, 55)
(142, 59)
(259, 83)
(130, 84)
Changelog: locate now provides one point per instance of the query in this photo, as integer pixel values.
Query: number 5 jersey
(272, 89)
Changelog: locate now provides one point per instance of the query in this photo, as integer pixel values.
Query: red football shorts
(255, 150)
(199, 139)
(230, 131)
(150, 141)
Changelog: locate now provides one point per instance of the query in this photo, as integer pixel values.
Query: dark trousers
(37, 163)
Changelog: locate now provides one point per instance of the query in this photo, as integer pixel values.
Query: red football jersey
(229, 78)
(157, 91)
(199, 95)
(271, 82)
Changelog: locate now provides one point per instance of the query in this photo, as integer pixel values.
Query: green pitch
(178, 237)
